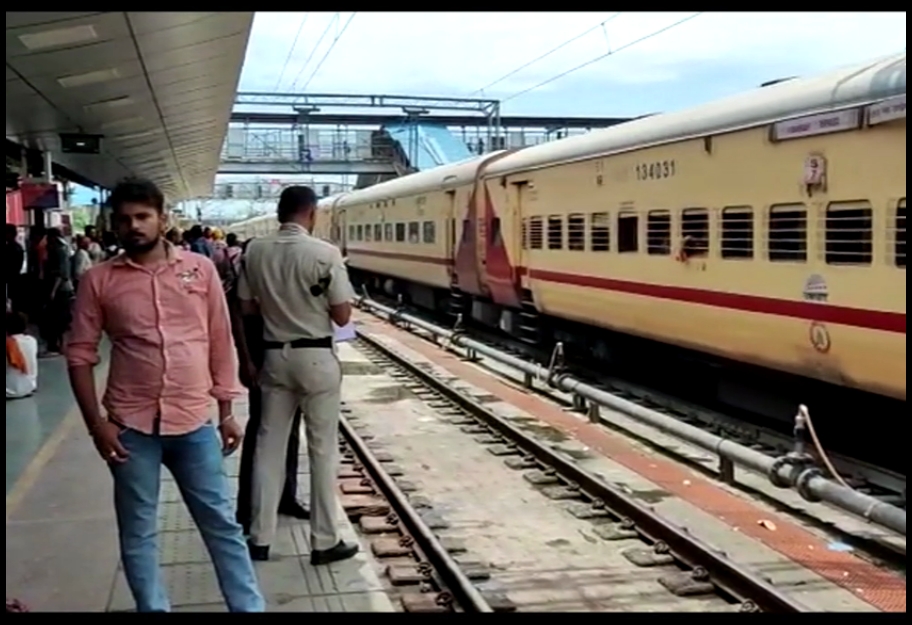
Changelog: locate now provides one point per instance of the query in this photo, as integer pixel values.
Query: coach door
(518, 245)
(449, 221)
(341, 230)
(481, 231)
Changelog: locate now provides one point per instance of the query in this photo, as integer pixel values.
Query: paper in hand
(344, 333)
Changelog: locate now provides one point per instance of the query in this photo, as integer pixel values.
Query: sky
(654, 66)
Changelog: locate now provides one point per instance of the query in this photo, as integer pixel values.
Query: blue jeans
(195, 460)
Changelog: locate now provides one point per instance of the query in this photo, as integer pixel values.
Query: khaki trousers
(309, 378)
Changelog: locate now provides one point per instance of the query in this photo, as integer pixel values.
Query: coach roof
(853, 86)
(444, 177)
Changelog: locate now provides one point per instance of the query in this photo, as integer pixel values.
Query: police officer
(300, 286)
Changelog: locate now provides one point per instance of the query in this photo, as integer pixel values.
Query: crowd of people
(203, 315)
(38, 301)
(41, 300)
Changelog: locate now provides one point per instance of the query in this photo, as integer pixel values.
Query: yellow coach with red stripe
(767, 228)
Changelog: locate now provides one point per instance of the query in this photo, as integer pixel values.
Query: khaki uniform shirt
(279, 270)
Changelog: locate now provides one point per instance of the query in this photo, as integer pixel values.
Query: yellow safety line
(33, 471)
(48, 450)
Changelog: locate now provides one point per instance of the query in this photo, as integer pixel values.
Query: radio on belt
(320, 287)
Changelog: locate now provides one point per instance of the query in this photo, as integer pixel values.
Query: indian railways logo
(816, 289)
(820, 337)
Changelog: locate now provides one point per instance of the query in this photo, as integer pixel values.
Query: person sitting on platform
(21, 358)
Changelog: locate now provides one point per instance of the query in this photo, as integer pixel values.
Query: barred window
(695, 231)
(428, 232)
(737, 232)
(576, 233)
(536, 233)
(555, 232)
(849, 233)
(600, 232)
(788, 233)
(899, 252)
(658, 233)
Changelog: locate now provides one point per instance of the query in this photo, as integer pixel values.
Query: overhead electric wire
(291, 51)
(547, 54)
(315, 48)
(331, 46)
(602, 56)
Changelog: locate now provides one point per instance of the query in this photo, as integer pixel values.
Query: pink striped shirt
(172, 349)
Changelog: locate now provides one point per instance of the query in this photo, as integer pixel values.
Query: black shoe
(335, 554)
(295, 510)
(258, 553)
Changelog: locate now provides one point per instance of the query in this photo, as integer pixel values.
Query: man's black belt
(300, 343)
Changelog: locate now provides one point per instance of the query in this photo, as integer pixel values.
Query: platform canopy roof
(159, 88)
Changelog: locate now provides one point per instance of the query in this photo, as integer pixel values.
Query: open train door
(340, 232)
(481, 235)
(449, 221)
(519, 198)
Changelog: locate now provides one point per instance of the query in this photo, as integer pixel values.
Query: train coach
(767, 228)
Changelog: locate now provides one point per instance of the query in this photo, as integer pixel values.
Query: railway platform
(61, 539)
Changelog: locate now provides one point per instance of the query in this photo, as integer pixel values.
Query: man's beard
(139, 247)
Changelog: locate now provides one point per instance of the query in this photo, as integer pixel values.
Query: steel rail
(457, 583)
(730, 577)
(784, 472)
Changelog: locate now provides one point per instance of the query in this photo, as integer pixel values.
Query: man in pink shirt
(172, 352)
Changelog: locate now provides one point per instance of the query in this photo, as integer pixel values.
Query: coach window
(849, 233)
(695, 231)
(658, 233)
(555, 232)
(737, 232)
(351, 233)
(535, 233)
(387, 232)
(414, 232)
(400, 233)
(628, 233)
(367, 232)
(525, 233)
(428, 232)
(576, 233)
(359, 232)
(600, 232)
(900, 251)
(378, 232)
(788, 233)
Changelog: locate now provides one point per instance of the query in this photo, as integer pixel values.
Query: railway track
(671, 569)
(882, 484)
(425, 576)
